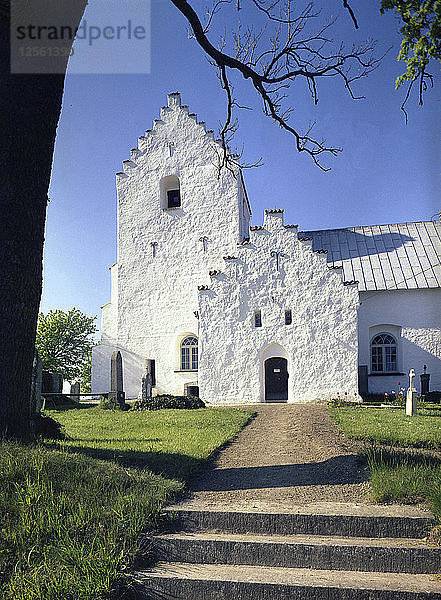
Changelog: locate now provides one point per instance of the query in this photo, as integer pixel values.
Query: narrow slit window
(288, 317)
(257, 318)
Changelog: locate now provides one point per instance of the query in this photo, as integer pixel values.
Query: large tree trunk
(29, 111)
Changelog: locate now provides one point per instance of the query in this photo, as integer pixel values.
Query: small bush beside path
(71, 511)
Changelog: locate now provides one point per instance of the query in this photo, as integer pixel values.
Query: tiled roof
(383, 257)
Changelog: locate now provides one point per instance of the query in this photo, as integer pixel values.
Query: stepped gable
(280, 283)
(167, 114)
(273, 224)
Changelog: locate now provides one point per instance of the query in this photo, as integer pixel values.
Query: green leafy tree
(421, 41)
(85, 374)
(64, 342)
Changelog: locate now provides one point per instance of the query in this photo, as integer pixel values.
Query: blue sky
(387, 173)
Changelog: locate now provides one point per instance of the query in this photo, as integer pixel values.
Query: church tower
(177, 218)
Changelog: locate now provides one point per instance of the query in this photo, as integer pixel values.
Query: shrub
(434, 397)
(112, 404)
(392, 398)
(372, 398)
(168, 401)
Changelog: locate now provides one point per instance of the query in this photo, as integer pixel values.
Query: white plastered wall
(320, 344)
(157, 285)
(413, 317)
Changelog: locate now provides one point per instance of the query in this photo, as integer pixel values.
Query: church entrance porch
(276, 379)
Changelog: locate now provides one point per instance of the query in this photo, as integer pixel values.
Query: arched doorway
(276, 379)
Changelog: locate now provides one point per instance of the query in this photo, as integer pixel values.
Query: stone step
(183, 581)
(355, 521)
(299, 551)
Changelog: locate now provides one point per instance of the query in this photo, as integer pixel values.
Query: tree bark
(30, 107)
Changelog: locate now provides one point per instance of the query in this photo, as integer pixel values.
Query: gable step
(299, 551)
(375, 522)
(229, 582)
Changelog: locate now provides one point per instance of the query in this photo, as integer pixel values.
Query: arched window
(189, 354)
(170, 192)
(384, 353)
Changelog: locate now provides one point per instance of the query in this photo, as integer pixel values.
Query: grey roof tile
(396, 256)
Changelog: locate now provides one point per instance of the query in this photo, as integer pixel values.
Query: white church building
(257, 314)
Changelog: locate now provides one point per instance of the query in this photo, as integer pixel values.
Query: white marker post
(411, 399)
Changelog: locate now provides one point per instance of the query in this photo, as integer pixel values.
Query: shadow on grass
(169, 465)
(58, 406)
(429, 412)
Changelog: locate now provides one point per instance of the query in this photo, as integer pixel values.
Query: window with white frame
(384, 354)
(189, 354)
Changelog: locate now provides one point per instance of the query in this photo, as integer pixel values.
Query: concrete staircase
(366, 553)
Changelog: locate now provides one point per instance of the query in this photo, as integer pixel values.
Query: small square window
(257, 318)
(173, 198)
(288, 317)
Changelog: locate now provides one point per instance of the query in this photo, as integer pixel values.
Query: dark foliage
(112, 404)
(375, 398)
(433, 397)
(168, 401)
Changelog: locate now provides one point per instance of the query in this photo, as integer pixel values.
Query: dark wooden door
(276, 380)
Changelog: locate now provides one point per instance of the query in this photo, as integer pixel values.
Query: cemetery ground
(403, 453)
(71, 511)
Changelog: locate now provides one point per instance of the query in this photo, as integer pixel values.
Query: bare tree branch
(351, 12)
(276, 57)
(422, 77)
(227, 131)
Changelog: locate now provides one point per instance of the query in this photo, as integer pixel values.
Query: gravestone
(75, 389)
(36, 381)
(117, 394)
(146, 386)
(150, 368)
(148, 380)
(411, 398)
(363, 380)
(425, 377)
(52, 383)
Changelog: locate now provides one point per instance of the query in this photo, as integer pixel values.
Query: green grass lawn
(170, 442)
(390, 426)
(399, 472)
(71, 511)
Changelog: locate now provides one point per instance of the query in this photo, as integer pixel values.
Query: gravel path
(291, 454)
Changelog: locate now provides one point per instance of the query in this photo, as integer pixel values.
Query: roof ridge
(360, 226)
